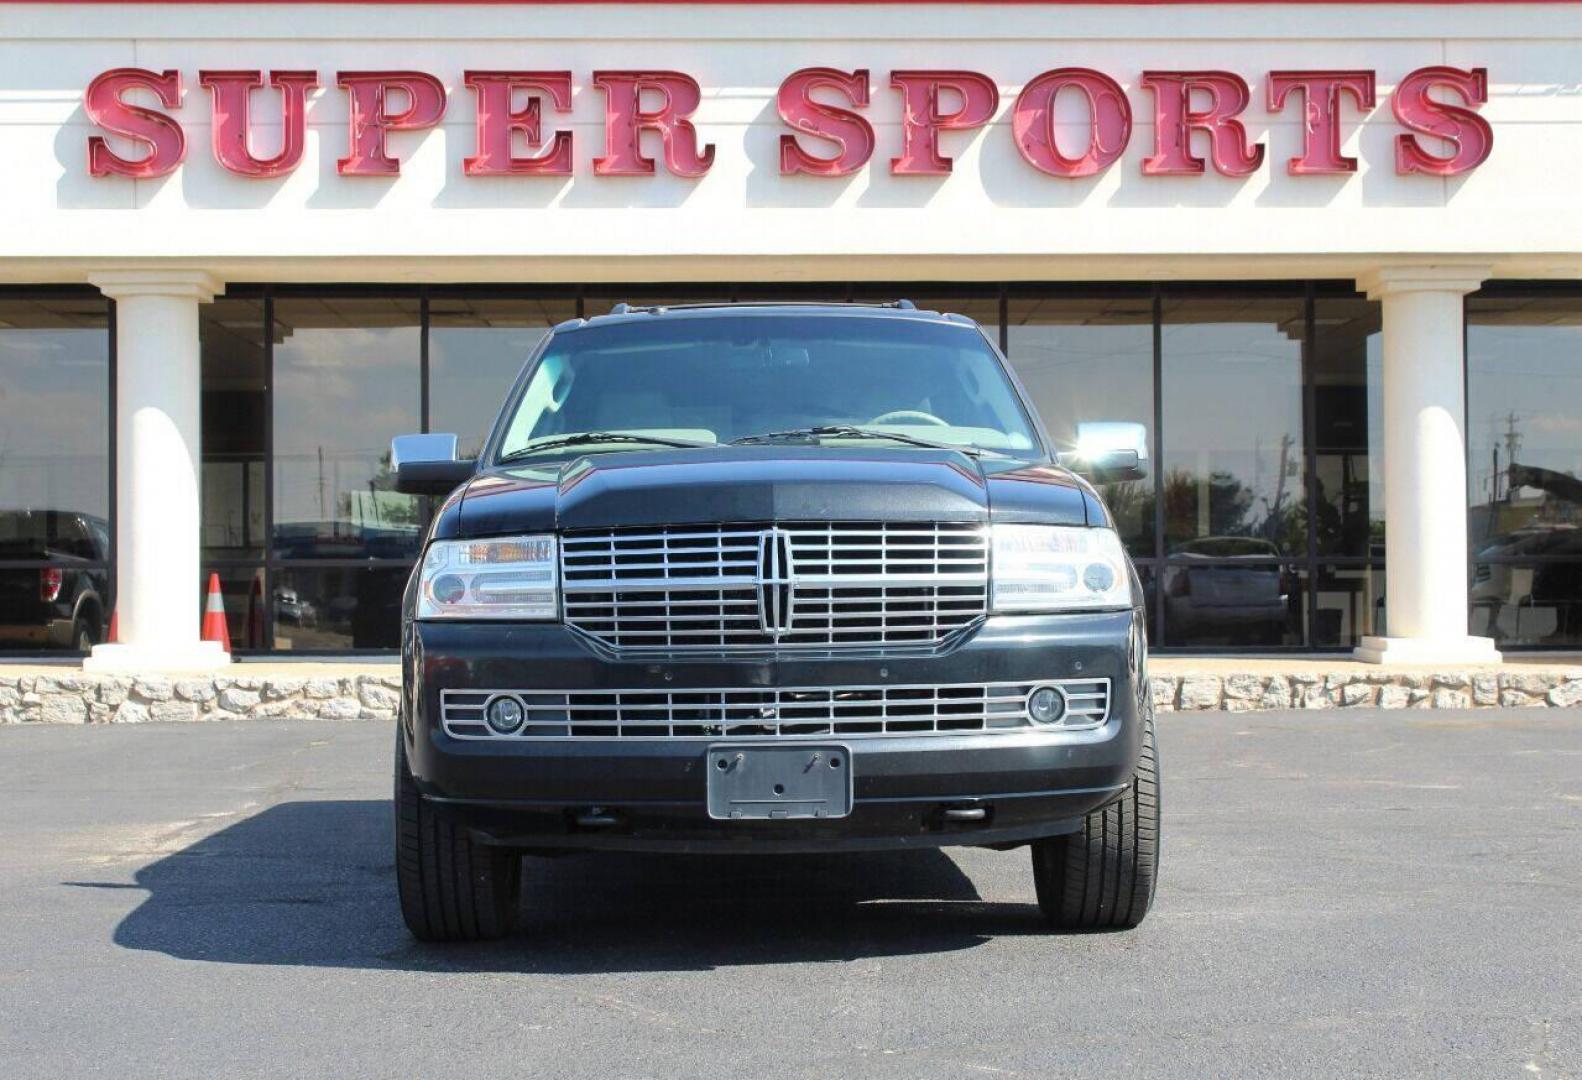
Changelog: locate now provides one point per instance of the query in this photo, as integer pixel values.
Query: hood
(761, 483)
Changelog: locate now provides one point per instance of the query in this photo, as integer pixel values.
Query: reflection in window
(1524, 435)
(54, 471)
(1348, 435)
(1218, 603)
(1086, 358)
(1350, 605)
(476, 347)
(1528, 603)
(242, 591)
(1145, 574)
(55, 404)
(1232, 441)
(62, 605)
(347, 379)
(1524, 398)
(231, 333)
(339, 607)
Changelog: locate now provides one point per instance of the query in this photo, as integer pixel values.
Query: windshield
(723, 378)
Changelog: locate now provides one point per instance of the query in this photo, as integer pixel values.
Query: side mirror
(1109, 450)
(427, 464)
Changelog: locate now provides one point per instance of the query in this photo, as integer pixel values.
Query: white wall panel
(1519, 207)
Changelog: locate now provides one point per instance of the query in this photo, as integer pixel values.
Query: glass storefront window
(1252, 392)
(1348, 433)
(1536, 603)
(1149, 580)
(1524, 397)
(1350, 605)
(339, 608)
(347, 379)
(235, 401)
(1081, 358)
(1231, 448)
(54, 471)
(55, 404)
(476, 347)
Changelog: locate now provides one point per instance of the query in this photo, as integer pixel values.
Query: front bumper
(651, 793)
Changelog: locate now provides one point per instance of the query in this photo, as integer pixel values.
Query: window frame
(1507, 289)
(107, 565)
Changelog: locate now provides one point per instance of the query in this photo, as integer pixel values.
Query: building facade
(1329, 253)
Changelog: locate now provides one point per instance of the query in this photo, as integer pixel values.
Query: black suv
(771, 578)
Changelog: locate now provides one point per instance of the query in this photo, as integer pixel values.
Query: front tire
(452, 887)
(1103, 877)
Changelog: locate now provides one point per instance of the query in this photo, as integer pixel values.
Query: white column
(157, 480)
(1425, 468)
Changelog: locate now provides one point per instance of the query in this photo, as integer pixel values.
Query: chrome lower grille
(793, 585)
(781, 712)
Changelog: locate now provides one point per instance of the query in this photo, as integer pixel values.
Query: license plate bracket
(778, 783)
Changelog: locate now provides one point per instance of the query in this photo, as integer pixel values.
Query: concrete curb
(72, 697)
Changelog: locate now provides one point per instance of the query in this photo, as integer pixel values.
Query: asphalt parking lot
(1347, 893)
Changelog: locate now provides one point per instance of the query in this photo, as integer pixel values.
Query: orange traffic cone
(214, 628)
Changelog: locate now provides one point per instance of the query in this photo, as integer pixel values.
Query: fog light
(1046, 705)
(504, 715)
(1098, 577)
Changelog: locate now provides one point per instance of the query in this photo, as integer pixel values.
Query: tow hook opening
(596, 819)
(965, 815)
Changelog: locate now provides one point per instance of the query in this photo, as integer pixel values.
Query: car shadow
(312, 883)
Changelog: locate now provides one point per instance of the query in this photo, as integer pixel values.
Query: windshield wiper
(849, 431)
(583, 438)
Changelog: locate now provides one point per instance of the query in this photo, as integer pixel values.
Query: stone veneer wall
(1381, 689)
(75, 698)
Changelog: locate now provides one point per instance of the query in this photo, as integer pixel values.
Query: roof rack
(624, 308)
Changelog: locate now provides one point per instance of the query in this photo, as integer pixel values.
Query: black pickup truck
(59, 595)
(772, 578)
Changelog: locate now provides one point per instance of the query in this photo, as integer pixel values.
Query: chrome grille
(794, 585)
(781, 712)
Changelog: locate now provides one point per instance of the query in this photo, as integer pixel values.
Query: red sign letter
(922, 119)
(498, 123)
(167, 144)
(625, 118)
(1175, 119)
(371, 117)
(1321, 92)
(844, 128)
(1109, 122)
(231, 91)
(1471, 134)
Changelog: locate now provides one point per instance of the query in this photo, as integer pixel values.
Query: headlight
(1058, 568)
(512, 577)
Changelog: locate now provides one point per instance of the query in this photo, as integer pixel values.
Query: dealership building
(1330, 254)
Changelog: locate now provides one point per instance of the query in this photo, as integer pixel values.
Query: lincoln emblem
(775, 579)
